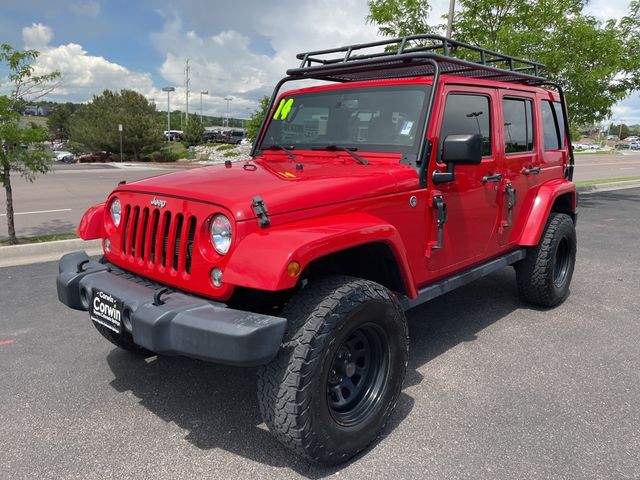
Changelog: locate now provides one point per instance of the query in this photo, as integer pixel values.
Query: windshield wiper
(349, 150)
(275, 146)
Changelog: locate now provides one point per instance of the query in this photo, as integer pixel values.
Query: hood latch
(260, 209)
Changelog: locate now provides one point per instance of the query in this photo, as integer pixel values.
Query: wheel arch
(261, 259)
(554, 196)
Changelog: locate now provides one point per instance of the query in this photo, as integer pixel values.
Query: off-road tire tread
(312, 316)
(534, 274)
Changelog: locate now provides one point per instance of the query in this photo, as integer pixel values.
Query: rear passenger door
(518, 162)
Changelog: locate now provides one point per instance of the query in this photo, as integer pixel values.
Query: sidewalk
(45, 252)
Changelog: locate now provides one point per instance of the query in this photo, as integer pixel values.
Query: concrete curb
(608, 187)
(45, 252)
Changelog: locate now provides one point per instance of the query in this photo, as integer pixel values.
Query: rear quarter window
(552, 125)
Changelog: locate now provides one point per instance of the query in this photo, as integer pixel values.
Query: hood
(325, 178)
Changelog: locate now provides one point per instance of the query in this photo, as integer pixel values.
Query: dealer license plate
(106, 310)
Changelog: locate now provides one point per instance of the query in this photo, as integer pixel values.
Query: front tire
(544, 275)
(335, 382)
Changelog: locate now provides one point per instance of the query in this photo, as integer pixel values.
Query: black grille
(160, 238)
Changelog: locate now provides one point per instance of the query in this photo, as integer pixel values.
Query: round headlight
(116, 211)
(220, 230)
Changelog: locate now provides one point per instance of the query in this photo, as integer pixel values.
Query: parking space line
(39, 211)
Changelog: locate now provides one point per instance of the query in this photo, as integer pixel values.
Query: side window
(518, 125)
(464, 114)
(552, 125)
(560, 119)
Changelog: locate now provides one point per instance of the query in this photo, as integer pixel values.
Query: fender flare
(541, 208)
(260, 260)
(91, 223)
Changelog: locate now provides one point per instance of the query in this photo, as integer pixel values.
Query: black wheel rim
(358, 375)
(561, 265)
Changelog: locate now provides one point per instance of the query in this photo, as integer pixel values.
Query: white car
(63, 156)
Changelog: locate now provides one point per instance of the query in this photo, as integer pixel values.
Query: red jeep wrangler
(409, 172)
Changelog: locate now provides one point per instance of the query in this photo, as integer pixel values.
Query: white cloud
(37, 36)
(225, 64)
(82, 75)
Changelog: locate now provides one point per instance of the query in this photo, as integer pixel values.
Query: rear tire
(544, 275)
(334, 383)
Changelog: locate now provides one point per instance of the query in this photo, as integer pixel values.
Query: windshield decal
(283, 110)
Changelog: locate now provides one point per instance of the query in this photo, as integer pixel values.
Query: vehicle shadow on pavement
(457, 317)
(217, 404)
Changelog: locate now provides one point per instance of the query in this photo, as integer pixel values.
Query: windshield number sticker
(284, 108)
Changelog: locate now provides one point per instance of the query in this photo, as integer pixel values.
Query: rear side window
(518, 125)
(465, 114)
(552, 125)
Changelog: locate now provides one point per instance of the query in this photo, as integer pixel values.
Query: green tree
(254, 122)
(20, 151)
(193, 131)
(621, 130)
(595, 61)
(59, 120)
(96, 124)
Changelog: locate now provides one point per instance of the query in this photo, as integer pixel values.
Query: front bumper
(174, 323)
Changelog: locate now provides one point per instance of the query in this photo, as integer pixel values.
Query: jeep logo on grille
(156, 202)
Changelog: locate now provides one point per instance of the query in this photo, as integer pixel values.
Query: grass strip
(587, 183)
(49, 237)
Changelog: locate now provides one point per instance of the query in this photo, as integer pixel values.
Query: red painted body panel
(541, 206)
(327, 178)
(305, 241)
(91, 223)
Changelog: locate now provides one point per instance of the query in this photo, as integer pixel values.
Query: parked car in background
(227, 136)
(209, 136)
(64, 156)
(94, 157)
(174, 135)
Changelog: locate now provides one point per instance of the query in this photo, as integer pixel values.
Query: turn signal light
(293, 269)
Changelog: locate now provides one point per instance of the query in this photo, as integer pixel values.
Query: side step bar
(462, 278)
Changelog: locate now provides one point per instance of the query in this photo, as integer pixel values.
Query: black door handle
(492, 178)
(531, 171)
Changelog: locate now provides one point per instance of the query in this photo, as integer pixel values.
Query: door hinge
(437, 202)
(510, 193)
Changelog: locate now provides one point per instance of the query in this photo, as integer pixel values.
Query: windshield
(387, 118)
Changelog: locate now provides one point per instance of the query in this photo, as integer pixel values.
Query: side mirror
(459, 150)
(462, 149)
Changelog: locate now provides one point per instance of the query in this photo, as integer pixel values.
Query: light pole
(120, 131)
(168, 90)
(452, 8)
(228, 99)
(203, 92)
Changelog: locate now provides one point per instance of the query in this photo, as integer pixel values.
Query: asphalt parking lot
(494, 389)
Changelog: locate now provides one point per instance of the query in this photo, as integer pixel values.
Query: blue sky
(238, 49)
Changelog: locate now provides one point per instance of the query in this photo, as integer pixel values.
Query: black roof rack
(414, 56)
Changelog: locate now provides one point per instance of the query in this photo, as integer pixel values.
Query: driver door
(471, 198)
